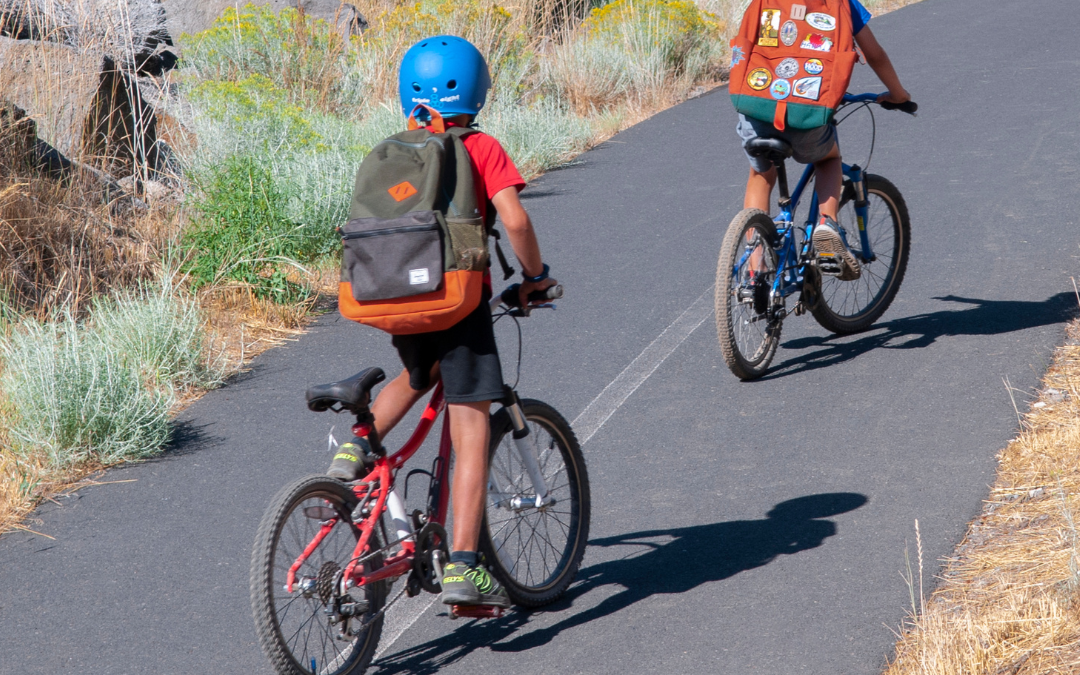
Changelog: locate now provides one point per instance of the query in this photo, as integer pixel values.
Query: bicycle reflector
(362, 429)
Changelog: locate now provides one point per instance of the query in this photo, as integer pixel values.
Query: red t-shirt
(493, 170)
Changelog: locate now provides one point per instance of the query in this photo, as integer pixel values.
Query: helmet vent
(416, 87)
(452, 84)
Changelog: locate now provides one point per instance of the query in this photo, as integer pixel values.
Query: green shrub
(305, 57)
(102, 389)
(158, 333)
(636, 49)
(73, 400)
(242, 232)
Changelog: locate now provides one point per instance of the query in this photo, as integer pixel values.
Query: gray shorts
(810, 145)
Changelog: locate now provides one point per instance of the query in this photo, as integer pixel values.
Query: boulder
(86, 108)
(55, 84)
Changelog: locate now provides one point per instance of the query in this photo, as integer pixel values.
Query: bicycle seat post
(781, 181)
(365, 426)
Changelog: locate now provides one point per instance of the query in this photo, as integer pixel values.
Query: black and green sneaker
(351, 461)
(463, 585)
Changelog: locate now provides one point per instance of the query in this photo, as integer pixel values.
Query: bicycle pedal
(476, 612)
(830, 264)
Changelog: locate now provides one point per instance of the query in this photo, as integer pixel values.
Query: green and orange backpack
(791, 61)
(415, 245)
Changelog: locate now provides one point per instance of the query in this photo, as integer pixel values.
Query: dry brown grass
(59, 245)
(1009, 600)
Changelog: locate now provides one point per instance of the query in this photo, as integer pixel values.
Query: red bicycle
(321, 574)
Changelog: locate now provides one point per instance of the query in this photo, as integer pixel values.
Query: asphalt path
(737, 527)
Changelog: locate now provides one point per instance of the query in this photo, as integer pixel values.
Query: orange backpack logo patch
(402, 191)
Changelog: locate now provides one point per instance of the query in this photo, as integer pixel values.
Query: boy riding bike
(818, 146)
(449, 75)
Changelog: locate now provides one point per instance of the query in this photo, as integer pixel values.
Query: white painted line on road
(634, 375)
(402, 616)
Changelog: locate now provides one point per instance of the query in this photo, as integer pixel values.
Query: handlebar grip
(908, 106)
(510, 296)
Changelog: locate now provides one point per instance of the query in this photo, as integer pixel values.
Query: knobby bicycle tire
(534, 569)
(846, 307)
(286, 518)
(748, 340)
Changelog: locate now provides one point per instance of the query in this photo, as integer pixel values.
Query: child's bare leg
(470, 431)
(828, 174)
(834, 257)
(395, 400)
(758, 194)
(759, 189)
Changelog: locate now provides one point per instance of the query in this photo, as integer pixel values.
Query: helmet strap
(436, 122)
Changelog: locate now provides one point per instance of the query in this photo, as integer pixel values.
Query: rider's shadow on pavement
(655, 562)
(980, 317)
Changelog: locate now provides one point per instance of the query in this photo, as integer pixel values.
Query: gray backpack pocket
(388, 258)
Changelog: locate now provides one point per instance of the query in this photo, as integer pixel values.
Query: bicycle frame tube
(789, 272)
(379, 485)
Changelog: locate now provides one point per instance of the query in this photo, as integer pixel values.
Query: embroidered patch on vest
(789, 33)
(758, 79)
(770, 28)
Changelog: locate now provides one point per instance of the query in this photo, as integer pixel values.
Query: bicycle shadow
(983, 317)
(687, 558)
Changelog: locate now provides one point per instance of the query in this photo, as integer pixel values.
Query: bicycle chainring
(432, 537)
(326, 581)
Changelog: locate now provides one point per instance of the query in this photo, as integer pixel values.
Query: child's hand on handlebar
(895, 97)
(529, 287)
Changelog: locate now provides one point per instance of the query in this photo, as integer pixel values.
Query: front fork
(862, 208)
(527, 453)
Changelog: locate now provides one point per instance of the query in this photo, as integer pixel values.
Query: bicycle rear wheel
(744, 276)
(535, 553)
(294, 629)
(851, 306)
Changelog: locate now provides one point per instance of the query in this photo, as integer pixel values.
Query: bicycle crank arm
(778, 315)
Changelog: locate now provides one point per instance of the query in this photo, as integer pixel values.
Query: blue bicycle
(764, 261)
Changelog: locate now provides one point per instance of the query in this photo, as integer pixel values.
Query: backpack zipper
(389, 230)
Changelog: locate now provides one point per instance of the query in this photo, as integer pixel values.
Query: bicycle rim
(534, 552)
(294, 628)
(850, 306)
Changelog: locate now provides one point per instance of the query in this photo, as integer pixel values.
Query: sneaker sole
(483, 600)
(459, 598)
(829, 245)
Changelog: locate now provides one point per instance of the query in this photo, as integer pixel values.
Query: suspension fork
(526, 449)
(857, 177)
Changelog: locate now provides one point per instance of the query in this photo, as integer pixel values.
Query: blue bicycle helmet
(445, 72)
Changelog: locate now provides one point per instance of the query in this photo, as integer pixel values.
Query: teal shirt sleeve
(859, 16)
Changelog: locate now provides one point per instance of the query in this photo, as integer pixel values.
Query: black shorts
(466, 354)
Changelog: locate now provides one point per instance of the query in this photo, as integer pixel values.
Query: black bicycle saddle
(775, 149)
(350, 394)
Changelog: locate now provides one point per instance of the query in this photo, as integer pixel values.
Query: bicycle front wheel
(851, 306)
(535, 552)
(744, 277)
(297, 634)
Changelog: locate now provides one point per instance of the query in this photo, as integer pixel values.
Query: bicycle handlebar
(511, 298)
(910, 107)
